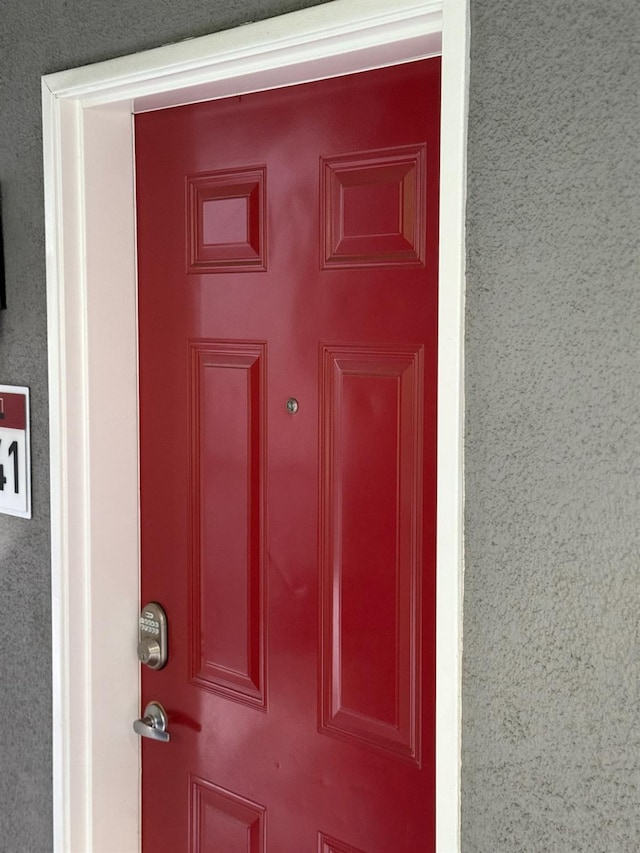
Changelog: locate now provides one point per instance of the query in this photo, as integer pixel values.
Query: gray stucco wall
(551, 728)
(550, 734)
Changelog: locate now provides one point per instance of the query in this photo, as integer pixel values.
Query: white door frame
(91, 293)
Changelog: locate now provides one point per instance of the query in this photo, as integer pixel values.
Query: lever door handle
(153, 724)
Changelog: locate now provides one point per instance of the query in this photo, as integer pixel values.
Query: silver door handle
(153, 724)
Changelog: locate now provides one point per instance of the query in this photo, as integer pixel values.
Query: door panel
(287, 248)
(226, 619)
(370, 524)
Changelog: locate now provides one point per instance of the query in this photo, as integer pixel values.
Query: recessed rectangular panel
(370, 534)
(224, 821)
(373, 208)
(226, 221)
(326, 844)
(370, 209)
(368, 478)
(227, 506)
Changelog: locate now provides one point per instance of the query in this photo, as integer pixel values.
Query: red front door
(288, 297)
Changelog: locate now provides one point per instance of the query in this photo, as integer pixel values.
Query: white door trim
(91, 293)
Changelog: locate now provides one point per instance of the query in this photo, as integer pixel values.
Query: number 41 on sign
(15, 474)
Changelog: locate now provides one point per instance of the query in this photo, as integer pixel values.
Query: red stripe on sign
(13, 411)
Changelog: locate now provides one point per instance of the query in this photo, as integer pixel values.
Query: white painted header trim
(327, 40)
(91, 295)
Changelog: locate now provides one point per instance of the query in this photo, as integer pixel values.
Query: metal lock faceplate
(152, 636)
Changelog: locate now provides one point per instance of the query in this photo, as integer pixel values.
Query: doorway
(91, 298)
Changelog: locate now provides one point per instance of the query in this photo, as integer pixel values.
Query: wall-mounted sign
(15, 457)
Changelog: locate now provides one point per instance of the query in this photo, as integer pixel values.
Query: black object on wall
(3, 295)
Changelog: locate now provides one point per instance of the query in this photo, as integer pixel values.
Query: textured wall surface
(38, 37)
(551, 730)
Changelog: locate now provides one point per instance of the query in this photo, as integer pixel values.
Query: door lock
(152, 636)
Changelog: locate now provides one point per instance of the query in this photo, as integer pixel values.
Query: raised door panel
(371, 538)
(224, 822)
(227, 518)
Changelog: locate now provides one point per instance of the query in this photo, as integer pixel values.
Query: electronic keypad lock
(152, 636)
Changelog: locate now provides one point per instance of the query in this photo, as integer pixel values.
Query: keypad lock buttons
(152, 636)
